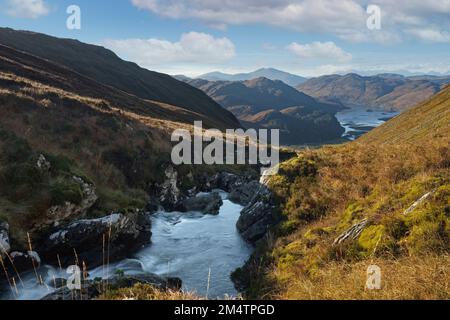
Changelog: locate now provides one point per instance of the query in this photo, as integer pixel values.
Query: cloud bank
(29, 9)
(193, 47)
(343, 18)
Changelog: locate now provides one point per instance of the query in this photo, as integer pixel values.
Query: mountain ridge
(384, 91)
(269, 73)
(106, 67)
(265, 103)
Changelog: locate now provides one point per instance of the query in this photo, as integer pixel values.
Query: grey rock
(24, 261)
(244, 193)
(95, 241)
(58, 214)
(42, 163)
(207, 203)
(170, 194)
(5, 245)
(258, 216)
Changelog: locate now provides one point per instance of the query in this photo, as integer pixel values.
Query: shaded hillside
(264, 103)
(269, 73)
(105, 67)
(297, 125)
(383, 200)
(58, 128)
(385, 92)
(260, 93)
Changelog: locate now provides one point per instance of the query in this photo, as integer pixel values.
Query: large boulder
(5, 245)
(97, 241)
(23, 261)
(91, 289)
(244, 193)
(258, 216)
(205, 203)
(228, 181)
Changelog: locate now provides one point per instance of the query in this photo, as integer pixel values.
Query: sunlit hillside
(382, 200)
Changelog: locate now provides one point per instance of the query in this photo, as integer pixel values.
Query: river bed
(197, 248)
(358, 121)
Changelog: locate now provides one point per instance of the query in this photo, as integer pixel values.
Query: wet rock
(228, 181)
(23, 261)
(97, 241)
(207, 203)
(244, 193)
(58, 214)
(5, 245)
(258, 216)
(91, 289)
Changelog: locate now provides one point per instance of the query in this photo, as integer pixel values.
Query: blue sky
(306, 37)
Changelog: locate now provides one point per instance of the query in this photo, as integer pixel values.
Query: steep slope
(383, 200)
(269, 73)
(105, 67)
(72, 148)
(260, 93)
(385, 92)
(297, 125)
(265, 103)
(428, 121)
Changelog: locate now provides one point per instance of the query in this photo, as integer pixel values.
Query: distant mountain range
(265, 103)
(385, 91)
(269, 73)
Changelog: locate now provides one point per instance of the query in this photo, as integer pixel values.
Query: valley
(87, 180)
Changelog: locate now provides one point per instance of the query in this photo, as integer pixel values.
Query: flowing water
(359, 121)
(202, 250)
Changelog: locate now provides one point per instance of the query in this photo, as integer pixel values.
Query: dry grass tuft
(147, 292)
(424, 278)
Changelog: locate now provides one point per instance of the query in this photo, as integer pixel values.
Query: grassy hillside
(105, 67)
(421, 124)
(109, 138)
(395, 183)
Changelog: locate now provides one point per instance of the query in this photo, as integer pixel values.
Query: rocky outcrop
(418, 202)
(258, 216)
(5, 245)
(244, 193)
(97, 241)
(171, 198)
(42, 163)
(352, 233)
(58, 214)
(91, 289)
(170, 194)
(205, 203)
(228, 181)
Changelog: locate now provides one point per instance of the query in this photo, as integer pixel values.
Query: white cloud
(30, 9)
(193, 47)
(431, 34)
(320, 50)
(343, 18)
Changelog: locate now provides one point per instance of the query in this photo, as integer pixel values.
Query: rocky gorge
(91, 243)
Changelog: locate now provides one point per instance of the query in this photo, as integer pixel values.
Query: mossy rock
(352, 213)
(371, 238)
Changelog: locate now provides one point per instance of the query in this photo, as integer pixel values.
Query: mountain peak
(269, 73)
